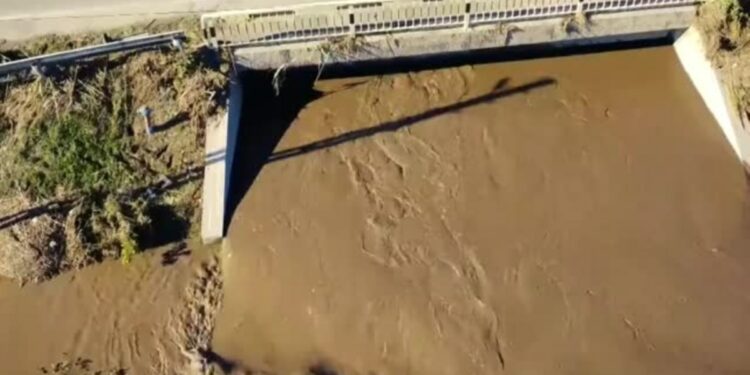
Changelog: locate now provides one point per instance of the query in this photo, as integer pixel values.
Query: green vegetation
(116, 224)
(73, 154)
(74, 139)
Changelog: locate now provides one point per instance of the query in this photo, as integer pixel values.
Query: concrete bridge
(355, 31)
(304, 32)
(267, 22)
(399, 28)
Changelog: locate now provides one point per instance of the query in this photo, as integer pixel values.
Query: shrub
(71, 155)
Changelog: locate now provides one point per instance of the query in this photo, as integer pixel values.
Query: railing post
(467, 14)
(352, 26)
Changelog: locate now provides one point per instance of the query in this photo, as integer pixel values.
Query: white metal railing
(355, 18)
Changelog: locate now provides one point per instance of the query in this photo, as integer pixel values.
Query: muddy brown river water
(571, 215)
(574, 215)
(109, 319)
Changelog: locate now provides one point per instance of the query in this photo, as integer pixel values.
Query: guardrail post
(352, 27)
(467, 14)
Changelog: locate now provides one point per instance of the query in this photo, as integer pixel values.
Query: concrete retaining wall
(221, 142)
(708, 83)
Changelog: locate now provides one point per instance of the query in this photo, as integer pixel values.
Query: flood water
(571, 215)
(118, 319)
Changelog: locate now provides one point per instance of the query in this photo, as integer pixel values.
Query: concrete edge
(221, 137)
(234, 113)
(707, 81)
(603, 28)
(221, 141)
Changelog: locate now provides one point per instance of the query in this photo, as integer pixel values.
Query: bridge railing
(360, 18)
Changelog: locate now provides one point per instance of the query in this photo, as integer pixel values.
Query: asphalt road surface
(20, 19)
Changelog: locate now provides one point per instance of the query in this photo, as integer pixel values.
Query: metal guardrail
(57, 58)
(359, 18)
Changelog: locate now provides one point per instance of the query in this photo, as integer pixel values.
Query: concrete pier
(709, 84)
(221, 140)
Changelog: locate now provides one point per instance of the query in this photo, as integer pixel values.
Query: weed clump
(339, 49)
(576, 23)
(725, 27)
(343, 48)
(71, 154)
(28, 251)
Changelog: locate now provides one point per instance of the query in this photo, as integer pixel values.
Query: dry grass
(576, 23)
(28, 250)
(343, 48)
(75, 136)
(334, 50)
(725, 26)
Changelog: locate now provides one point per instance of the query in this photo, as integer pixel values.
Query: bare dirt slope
(578, 215)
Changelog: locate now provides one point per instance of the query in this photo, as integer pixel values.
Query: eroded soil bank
(570, 215)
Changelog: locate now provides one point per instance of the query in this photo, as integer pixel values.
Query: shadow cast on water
(392, 126)
(322, 369)
(228, 366)
(174, 254)
(264, 120)
(266, 117)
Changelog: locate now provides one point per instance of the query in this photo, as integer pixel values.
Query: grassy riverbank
(80, 178)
